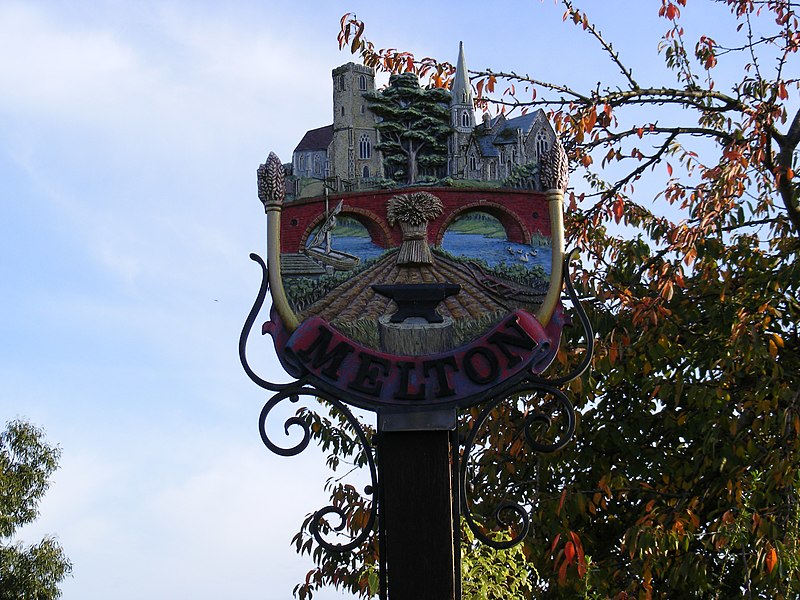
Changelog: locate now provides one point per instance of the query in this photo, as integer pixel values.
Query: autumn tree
(26, 464)
(683, 479)
(414, 123)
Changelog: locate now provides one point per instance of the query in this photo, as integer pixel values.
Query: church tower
(352, 154)
(462, 116)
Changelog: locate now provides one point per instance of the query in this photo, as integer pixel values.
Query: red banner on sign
(516, 346)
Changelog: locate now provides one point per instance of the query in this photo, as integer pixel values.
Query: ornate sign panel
(416, 298)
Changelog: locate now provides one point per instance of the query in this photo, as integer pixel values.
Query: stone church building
(344, 153)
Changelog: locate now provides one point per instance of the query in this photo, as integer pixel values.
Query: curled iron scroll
(509, 512)
(504, 511)
(248, 326)
(293, 394)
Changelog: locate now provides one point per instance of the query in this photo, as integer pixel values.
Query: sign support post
(419, 517)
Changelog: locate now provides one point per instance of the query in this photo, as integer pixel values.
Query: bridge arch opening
(513, 227)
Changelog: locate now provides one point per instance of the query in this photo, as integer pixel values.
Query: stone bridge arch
(515, 228)
(378, 229)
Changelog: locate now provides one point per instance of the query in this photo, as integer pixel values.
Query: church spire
(461, 88)
(462, 116)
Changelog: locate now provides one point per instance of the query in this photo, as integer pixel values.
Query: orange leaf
(772, 559)
(612, 352)
(561, 502)
(669, 169)
(590, 120)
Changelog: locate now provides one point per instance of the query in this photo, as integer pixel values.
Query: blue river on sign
(494, 251)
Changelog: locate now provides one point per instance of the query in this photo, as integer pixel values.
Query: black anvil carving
(417, 299)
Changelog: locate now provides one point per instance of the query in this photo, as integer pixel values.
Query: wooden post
(417, 504)
(416, 470)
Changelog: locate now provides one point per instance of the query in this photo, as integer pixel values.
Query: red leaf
(562, 573)
(555, 543)
(669, 169)
(619, 209)
(569, 552)
(672, 11)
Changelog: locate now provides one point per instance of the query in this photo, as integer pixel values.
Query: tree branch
(606, 46)
(786, 188)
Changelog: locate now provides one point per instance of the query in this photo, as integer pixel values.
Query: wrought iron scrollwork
(293, 394)
(248, 326)
(510, 514)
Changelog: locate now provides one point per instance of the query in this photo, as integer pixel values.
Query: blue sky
(129, 138)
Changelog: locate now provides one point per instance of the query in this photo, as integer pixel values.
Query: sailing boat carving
(320, 246)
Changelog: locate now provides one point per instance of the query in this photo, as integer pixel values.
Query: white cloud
(195, 82)
(57, 71)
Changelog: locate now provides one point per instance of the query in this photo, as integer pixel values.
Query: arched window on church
(364, 147)
(464, 97)
(317, 165)
(465, 119)
(542, 145)
(473, 163)
(362, 82)
(365, 173)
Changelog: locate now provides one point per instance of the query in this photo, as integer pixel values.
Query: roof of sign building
(506, 132)
(316, 139)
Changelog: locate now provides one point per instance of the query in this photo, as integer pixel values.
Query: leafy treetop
(414, 125)
(26, 464)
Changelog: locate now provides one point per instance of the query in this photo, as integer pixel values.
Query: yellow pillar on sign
(555, 202)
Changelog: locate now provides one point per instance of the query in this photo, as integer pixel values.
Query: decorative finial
(271, 182)
(555, 168)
